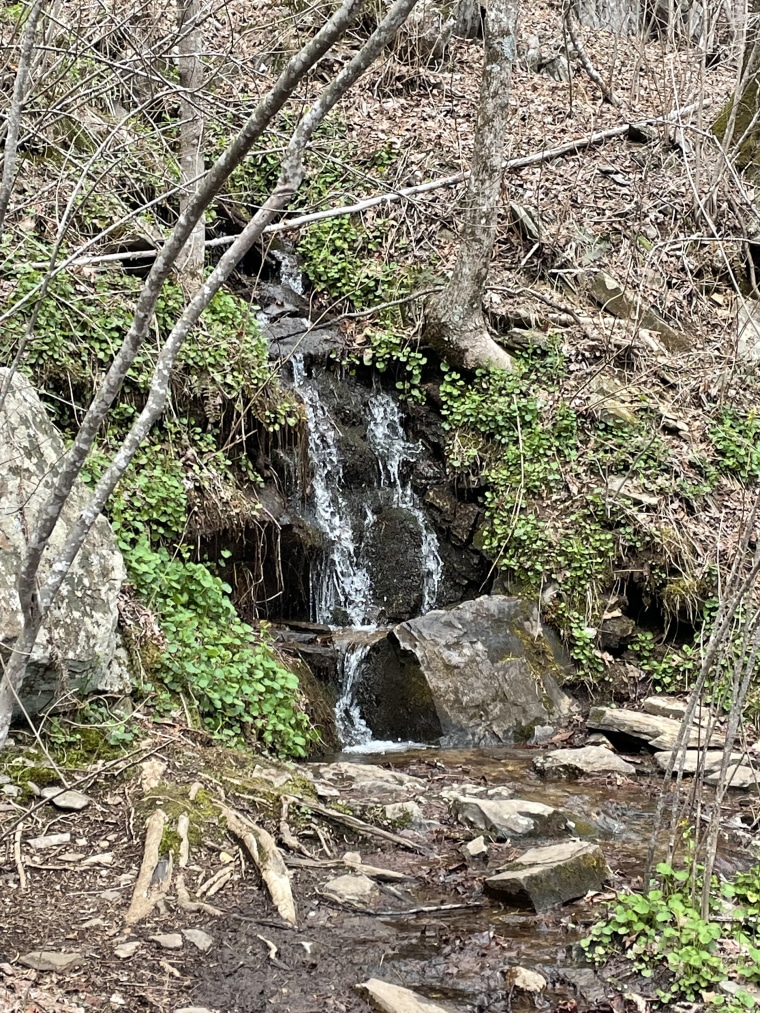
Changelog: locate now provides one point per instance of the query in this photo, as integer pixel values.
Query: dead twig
(18, 859)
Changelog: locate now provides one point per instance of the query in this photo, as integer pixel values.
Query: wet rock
(546, 877)
(394, 999)
(375, 783)
(354, 890)
(568, 764)
(50, 960)
(200, 939)
(525, 980)
(79, 637)
(168, 940)
(512, 817)
(739, 776)
(483, 673)
(499, 791)
(126, 950)
(70, 800)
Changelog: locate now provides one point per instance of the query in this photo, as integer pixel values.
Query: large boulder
(77, 646)
(484, 673)
(568, 764)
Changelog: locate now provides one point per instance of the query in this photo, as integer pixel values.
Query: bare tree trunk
(190, 261)
(35, 604)
(455, 325)
(13, 122)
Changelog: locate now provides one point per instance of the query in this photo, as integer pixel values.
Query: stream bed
(437, 932)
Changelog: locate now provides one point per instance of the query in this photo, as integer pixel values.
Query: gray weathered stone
(660, 732)
(739, 776)
(126, 950)
(511, 817)
(375, 783)
(168, 940)
(389, 998)
(351, 889)
(627, 305)
(525, 980)
(567, 764)
(665, 706)
(50, 960)
(694, 760)
(483, 673)
(200, 939)
(70, 800)
(546, 877)
(78, 641)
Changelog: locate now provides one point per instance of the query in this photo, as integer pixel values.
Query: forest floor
(425, 923)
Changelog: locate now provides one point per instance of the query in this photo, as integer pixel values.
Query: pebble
(168, 940)
(202, 940)
(71, 801)
(126, 950)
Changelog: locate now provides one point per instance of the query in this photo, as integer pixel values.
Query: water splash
(353, 730)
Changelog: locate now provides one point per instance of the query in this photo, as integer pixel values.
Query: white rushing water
(341, 583)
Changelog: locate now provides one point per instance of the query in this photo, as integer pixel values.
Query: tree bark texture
(190, 261)
(455, 325)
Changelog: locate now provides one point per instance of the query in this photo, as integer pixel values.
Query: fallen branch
(146, 894)
(19, 860)
(267, 859)
(593, 73)
(571, 147)
(354, 823)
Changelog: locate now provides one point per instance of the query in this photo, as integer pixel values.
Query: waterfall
(342, 591)
(385, 434)
(340, 583)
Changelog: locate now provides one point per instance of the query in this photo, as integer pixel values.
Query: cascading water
(342, 589)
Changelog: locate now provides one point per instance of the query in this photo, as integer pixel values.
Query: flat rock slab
(694, 759)
(568, 764)
(126, 950)
(351, 889)
(509, 817)
(70, 800)
(660, 732)
(50, 960)
(394, 999)
(665, 707)
(739, 776)
(168, 940)
(545, 877)
(375, 783)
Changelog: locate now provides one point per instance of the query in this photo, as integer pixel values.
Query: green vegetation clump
(663, 934)
(228, 670)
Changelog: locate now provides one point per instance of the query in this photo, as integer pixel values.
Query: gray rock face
(694, 759)
(80, 631)
(739, 776)
(483, 673)
(389, 998)
(512, 817)
(567, 764)
(546, 877)
(51, 960)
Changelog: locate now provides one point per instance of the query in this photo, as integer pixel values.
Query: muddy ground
(436, 932)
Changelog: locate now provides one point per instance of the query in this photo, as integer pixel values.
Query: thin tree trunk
(455, 325)
(13, 122)
(190, 261)
(291, 176)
